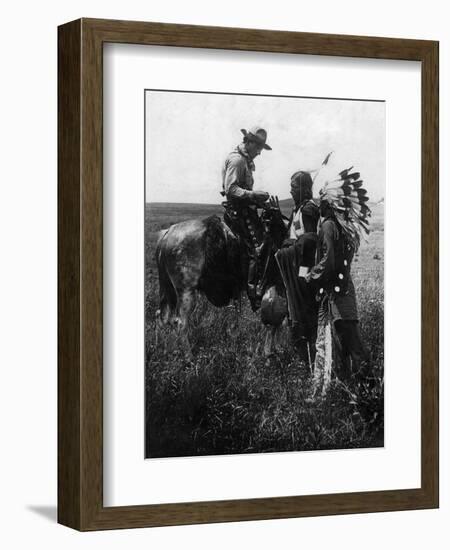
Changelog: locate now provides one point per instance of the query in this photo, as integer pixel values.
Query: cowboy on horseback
(241, 213)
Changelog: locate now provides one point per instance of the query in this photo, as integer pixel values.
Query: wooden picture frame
(80, 271)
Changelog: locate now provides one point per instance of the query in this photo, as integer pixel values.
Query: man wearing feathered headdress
(344, 214)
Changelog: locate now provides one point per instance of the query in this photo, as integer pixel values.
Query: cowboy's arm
(244, 196)
(236, 193)
(324, 270)
(233, 174)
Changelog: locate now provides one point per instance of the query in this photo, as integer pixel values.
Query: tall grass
(225, 397)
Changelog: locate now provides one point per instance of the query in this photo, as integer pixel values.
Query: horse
(205, 255)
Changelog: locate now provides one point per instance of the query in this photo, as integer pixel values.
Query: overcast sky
(189, 135)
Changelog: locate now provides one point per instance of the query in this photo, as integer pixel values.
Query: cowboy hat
(257, 134)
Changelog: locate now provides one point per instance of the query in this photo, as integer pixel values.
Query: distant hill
(184, 210)
(286, 203)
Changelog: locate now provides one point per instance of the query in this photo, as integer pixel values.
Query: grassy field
(228, 398)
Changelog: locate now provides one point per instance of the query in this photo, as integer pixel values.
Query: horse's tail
(220, 277)
(167, 294)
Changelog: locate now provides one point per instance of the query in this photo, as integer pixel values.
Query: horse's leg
(271, 333)
(167, 294)
(167, 305)
(185, 304)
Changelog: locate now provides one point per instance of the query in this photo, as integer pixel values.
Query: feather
(344, 173)
(357, 184)
(348, 199)
(315, 173)
(327, 158)
(354, 176)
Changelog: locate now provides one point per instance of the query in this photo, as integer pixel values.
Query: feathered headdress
(348, 200)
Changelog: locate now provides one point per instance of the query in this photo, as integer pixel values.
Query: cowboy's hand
(260, 196)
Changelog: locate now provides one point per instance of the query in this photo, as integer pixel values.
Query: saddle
(256, 245)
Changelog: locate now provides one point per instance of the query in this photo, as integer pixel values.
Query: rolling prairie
(228, 398)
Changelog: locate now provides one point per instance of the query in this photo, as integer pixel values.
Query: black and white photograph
(225, 267)
(264, 273)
